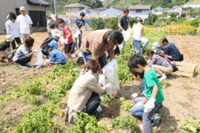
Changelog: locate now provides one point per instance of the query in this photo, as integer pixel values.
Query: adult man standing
(25, 23)
(123, 24)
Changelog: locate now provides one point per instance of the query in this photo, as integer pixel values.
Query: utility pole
(56, 13)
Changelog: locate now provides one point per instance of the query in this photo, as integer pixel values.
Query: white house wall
(144, 14)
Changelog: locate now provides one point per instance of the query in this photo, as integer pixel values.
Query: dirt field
(182, 98)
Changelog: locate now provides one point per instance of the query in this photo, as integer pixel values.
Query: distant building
(34, 8)
(75, 7)
(142, 11)
(158, 9)
(111, 12)
(193, 5)
(88, 12)
(176, 9)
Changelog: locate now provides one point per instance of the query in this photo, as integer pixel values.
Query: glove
(109, 86)
(149, 105)
(102, 79)
(139, 103)
(134, 95)
(114, 63)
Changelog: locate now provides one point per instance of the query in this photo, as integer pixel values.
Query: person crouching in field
(159, 64)
(24, 53)
(50, 42)
(84, 94)
(54, 29)
(56, 57)
(138, 110)
(5, 48)
(67, 33)
(154, 94)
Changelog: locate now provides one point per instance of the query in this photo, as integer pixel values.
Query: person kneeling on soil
(84, 95)
(24, 53)
(50, 42)
(138, 110)
(56, 57)
(5, 48)
(159, 64)
(154, 94)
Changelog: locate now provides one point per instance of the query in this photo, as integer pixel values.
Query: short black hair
(136, 60)
(164, 40)
(52, 25)
(150, 53)
(60, 20)
(82, 14)
(116, 37)
(29, 42)
(125, 10)
(12, 15)
(136, 73)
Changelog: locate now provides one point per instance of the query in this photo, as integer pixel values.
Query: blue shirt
(80, 22)
(173, 51)
(57, 57)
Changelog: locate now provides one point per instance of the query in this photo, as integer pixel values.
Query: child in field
(138, 110)
(24, 53)
(56, 57)
(54, 29)
(154, 95)
(5, 47)
(67, 33)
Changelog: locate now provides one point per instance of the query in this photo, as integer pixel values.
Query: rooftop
(38, 2)
(140, 7)
(77, 5)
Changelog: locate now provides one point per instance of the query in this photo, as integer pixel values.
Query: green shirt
(150, 79)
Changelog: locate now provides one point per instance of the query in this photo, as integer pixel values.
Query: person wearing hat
(12, 28)
(5, 48)
(25, 23)
(137, 34)
(53, 44)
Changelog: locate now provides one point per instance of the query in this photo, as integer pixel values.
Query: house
(176, 9)
(193, 5)
(111, 12)
(88, 12)
(34, 8)
(142, 11)
(75, 7)
(158, 9)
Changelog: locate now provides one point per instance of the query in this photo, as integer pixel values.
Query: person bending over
(24, 53)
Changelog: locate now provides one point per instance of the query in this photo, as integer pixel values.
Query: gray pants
(146, 118)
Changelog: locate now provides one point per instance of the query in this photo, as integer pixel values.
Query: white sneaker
(29, 65)
(163, 77)
(23, 67)
(99, 109)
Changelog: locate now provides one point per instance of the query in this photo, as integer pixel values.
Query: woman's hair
(150, 53)
(60, 20)
(116, 37)
(92, 65)
(52, 25)
(12, 16)
(164, 40)
(29, 42)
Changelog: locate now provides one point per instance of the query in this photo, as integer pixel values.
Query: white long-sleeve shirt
(24, 22)
(12, 28)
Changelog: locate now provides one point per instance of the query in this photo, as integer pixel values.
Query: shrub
(159, 24)
(112, 23)
(97, 23)
(195, 22)
(181, 20)
(152, 18)
(132, 21)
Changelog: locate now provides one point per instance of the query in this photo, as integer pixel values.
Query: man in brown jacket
(97, 43)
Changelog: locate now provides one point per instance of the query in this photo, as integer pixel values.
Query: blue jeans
(93, 103)
(102, 59)
(137, 111)
(144, 46)
(80, 39)
(137, 47)
(147, 118)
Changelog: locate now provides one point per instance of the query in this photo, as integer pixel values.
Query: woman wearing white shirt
(12, 28)
(137, 34)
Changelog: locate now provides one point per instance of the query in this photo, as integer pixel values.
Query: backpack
(45, 43)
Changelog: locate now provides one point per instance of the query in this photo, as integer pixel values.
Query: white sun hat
(9, 38)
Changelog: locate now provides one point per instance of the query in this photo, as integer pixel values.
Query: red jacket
(66, 31)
